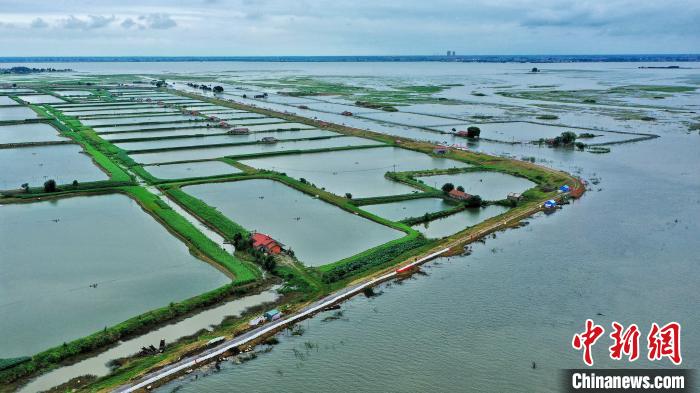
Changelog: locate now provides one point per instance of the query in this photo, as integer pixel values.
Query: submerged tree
(473, 132)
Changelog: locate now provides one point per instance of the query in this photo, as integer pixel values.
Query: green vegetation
(548, 117)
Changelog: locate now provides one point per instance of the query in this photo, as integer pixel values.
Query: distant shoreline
(353, 59)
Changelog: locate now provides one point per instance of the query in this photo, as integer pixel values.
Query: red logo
(662, 342)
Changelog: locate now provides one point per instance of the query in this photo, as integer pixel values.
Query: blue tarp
(564, 188)
(550, 203)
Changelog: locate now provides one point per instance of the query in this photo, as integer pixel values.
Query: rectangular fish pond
(53, 251)
(221, 139)
(459, 221)
(318, 233)
(17, 113)
(490, 186)
(4, 100)
(31, 132)
(191, 170)
(105, 123)
(41, 99)
(359, 172)
(258, 148)
(397, 211)
(36, 164)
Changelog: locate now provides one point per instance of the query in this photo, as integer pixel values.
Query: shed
(257, 320)
(272, 315)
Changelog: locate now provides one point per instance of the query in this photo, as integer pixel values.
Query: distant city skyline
(363, 27)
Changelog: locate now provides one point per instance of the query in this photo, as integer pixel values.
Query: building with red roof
(265, 243)
(459, 195)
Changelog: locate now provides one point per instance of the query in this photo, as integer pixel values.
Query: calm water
(627, 250)
(35, 165)
(17, 113)
(4, 100)
(37, 132)
(41, 99)
(53, 251)
(491, 186)
(456, 222)
(412, 208)
(360, 172)
(221, 139)
(217, 152)
(191, 169)
(319, 233)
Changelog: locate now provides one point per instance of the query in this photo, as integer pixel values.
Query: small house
(273, 314)
(223, 124)
(441, 149)
(269, 139)
(515, 197)
(462, 133)
(459, 195)
(346, 113)
(265, 243)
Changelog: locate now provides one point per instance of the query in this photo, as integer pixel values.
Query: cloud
(128, 23)
(38, 23)
(89, 23)
(158, 21)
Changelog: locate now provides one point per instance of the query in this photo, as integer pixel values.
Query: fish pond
(258, 148)
(36, 164)
(191, 170)
(16, 113)
(491, 186)
(397, 211)
(318, 233)
(359, 172)
(32, 132)
(73, 266)
(459, 221)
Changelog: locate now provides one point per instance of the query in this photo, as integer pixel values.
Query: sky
(358, 27)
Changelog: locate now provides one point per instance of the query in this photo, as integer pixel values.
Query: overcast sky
(342, 27)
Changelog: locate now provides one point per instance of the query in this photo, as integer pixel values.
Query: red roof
(261, 240)
(457, 194)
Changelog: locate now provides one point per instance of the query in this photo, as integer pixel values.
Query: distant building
(459, 195)
(269, 139)
(346, 113)
(239, 131)
(265, 243)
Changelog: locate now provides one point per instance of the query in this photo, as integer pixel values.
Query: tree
(75, 184)
(474, 201)
(218, 89)
(160, 83)
(473, 132)
(447, 187)
(568, 137)
(303, 180)
(348, 195)
(460, 188)
(25, 187)
(50, 185)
